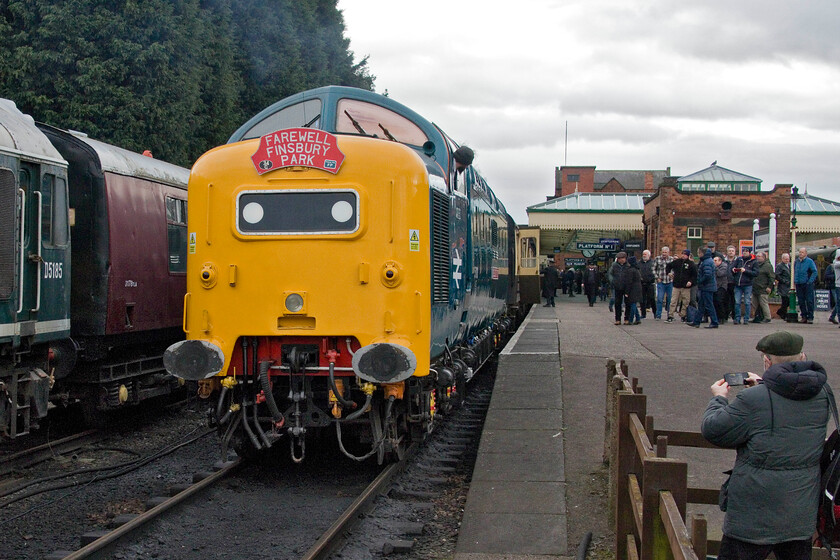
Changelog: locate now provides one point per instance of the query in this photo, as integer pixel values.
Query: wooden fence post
(699, 535)
(660, 474)
(627, 462)
(609, 414)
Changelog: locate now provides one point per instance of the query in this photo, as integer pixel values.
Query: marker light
(294, 302)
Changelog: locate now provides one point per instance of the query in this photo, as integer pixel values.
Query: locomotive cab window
(300, 115)
(359, 117)
(54, 211)
(528, 252)
(176, 228)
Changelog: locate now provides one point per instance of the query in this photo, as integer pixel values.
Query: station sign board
(610, 240)
(574, 261)
(822, 300)
(761, 240)
(745, 244)
(595, 246)
(633, 245)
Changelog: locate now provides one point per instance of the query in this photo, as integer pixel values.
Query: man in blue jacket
(777, 426)
(804, 275)
(706, 287)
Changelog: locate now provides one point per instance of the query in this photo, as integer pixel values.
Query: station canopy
(817, 215)
(590, 211)
(587, 218)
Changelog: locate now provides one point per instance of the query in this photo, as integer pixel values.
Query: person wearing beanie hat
(778, 426)
(685, 276)
(743, 271)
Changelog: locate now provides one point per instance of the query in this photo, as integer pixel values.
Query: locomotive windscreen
(290, 212)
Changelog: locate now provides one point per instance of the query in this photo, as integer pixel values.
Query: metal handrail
(40, 258)
(22, 245)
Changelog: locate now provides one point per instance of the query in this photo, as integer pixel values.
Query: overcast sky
(643, 84)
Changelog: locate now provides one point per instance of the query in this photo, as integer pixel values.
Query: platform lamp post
(792, 316)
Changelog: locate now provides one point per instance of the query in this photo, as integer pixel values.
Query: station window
(694, 238)
(176, 227)
(573, 177)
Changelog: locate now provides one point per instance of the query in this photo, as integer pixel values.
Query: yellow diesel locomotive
(347, 269)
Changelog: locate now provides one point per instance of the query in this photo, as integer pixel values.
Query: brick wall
(564, 186)
(670, 213)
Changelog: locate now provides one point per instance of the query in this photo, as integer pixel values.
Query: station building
(587, 179)
(714, 205)
(597, 212)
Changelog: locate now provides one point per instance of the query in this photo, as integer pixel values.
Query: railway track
(248, 501)
(332, 538)
(102, 542)
(27, 458)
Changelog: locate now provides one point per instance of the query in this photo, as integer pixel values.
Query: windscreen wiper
(310, 123)
(388, 134)
(356, 123)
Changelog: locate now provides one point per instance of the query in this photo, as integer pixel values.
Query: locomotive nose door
(28, 243)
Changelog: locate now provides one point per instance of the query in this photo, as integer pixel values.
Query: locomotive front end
(308, 290)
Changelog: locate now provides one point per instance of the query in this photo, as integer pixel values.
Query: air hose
(276, 415)
(338, 396)
(222, 419)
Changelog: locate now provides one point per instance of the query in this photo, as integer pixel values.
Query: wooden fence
(648, 490)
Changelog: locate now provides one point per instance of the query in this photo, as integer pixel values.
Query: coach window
(176, 226)
(300, 115)
(358, 117)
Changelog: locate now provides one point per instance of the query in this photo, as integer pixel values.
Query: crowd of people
(719, 287)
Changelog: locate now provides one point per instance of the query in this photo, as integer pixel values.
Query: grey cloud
(745, 30)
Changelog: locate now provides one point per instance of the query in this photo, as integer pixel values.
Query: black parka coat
(778, 428)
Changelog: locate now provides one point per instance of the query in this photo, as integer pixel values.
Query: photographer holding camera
(778, 426)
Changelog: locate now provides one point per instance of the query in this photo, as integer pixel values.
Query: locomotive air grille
(8, 195)
(440, 246)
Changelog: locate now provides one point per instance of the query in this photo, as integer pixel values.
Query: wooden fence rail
(648, 491)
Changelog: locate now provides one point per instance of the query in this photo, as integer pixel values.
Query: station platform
(516, 505)
(539, 484)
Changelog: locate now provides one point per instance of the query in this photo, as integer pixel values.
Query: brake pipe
(265, 382)
(331, 355)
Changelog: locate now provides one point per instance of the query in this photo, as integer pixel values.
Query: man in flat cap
(778, 426)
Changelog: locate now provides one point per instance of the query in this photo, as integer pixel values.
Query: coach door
(28, 243)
